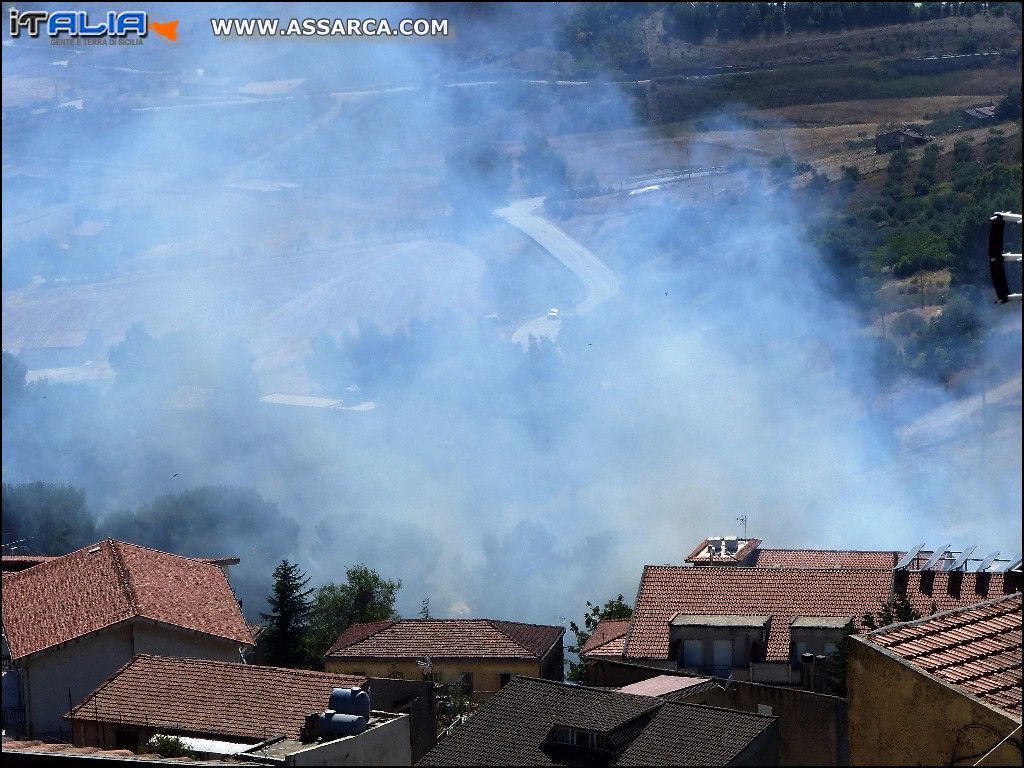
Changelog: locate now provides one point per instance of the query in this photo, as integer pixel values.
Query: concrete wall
(384, 744)
(900, 716)
(764, 750)
(55, 680)
(811, 726)
(743, 641)
(161, 640)
(486, 672)
(412, 697)
(60, 678)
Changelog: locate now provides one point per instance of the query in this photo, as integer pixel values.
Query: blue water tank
(350, 701)
(334, 725)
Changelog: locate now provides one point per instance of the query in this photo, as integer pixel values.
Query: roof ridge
(124, 576)
(494, 622)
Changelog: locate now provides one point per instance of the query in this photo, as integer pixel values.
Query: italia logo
(82, 24)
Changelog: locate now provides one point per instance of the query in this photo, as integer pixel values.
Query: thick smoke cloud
(334, 238)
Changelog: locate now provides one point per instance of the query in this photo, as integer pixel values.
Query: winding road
(598, 280)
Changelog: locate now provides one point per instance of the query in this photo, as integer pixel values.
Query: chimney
(820, 673)
(806, 671)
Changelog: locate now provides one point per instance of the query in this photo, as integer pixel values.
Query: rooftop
(607, 639)
(728, 620)
(824, 558)
(517, 727)
(692, 734)
(66, 597)
(977, 648)
(782, 593)
(446, 638)
(212, 698)
(115, 756)
(661, 685)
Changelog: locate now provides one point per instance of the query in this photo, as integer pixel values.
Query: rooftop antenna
(743, 519)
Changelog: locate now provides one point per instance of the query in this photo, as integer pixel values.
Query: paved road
(598, 280)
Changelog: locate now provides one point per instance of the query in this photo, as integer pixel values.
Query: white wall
(161, 640)
(78, 667)
(81, 665)
(384, 744)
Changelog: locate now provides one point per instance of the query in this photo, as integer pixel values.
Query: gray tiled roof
(692, 734)
(512, 728)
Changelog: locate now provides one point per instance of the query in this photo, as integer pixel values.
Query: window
(693, 653)
(505, 679)
(723, 654)
(467, 683)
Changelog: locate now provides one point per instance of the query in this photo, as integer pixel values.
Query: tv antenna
(743, 519)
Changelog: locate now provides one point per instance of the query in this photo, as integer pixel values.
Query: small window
(562, 736)
(505, 679)
(764, 709)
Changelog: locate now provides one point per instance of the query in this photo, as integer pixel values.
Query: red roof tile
(211, 698)
(446, 638)
(976, 648)
(607, 639)
(824, 558)
(936, 591)
(98, 586)
(780, 593)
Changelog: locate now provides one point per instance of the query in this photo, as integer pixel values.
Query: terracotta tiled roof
(98, 586)
(936, 591)
(607, 639)
(211, 698)
(824, 558)
(446, 638)
(976, 648)
(781, 593)
(660, 685)
(514, 728)
(693, 734)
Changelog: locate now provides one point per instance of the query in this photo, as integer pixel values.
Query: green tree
(48, 519)
(170, 746)
(544, 170)
(287, 623)
(611, 610)
(896, 610)
(364, 596)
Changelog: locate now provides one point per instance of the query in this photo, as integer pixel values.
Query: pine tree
(287, 623)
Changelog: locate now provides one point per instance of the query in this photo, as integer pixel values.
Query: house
(981, 114)
(747, 623)
(541, 722)
(767, 616)
(748, 553)
(891, 140)
(72, 621)
(607, 640)
(482, 655)
(945, 689)
(225, 709)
